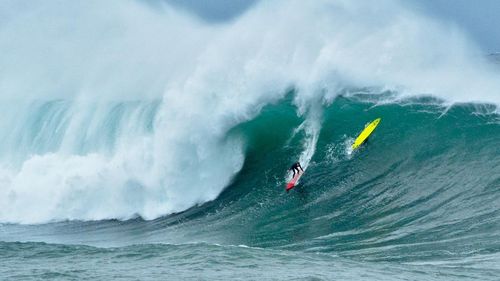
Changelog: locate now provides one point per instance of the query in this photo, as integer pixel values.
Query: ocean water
(146, 144)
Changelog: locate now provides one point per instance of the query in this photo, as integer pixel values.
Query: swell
(51, 261)
(424, 187)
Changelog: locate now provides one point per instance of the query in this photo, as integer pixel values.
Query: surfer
(295, 168)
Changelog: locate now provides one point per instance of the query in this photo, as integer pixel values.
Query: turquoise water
(38, 261)
(417, 202)
(139, 142)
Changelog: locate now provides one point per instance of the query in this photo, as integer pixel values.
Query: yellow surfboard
(366, 133)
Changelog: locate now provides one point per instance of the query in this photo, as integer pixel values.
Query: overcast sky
(479, 18)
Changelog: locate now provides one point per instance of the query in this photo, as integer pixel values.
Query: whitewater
(135, 132)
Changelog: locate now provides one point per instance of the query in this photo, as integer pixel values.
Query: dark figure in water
(296, 168)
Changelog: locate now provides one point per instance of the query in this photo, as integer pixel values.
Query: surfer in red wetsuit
(295, 168)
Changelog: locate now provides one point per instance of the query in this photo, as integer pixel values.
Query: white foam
(95, 54)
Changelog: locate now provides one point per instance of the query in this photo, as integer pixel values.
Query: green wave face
(424, 185)
(426, 180)
(423, 188)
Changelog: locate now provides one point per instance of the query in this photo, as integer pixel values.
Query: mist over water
(119, 109)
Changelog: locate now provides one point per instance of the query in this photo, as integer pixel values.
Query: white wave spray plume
(115, 109)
